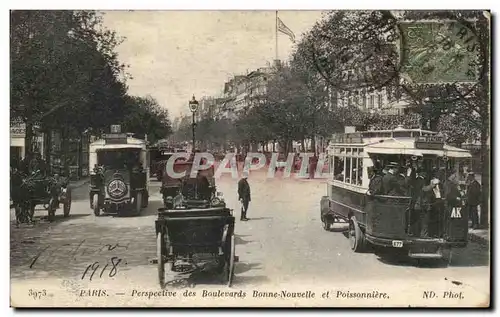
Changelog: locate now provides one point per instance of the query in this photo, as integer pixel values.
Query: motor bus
(387, 221)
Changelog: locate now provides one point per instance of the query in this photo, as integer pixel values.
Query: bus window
(348, 169)
(338, 168)
(360, 172)
(354, 172)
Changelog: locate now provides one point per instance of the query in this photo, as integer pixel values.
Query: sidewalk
(479, 235)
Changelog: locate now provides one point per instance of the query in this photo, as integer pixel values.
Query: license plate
(397, 244)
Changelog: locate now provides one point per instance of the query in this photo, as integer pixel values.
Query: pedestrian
(473, 196)
(312, 166)
(244, 195)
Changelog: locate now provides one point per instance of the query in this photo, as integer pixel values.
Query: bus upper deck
(377, 178)
(352, 154)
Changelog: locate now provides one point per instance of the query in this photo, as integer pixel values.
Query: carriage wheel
(356, 236)
(231, 262)
(229, 257)
(52, 209)
(31, 212)
(22, 213)
(67, 204)
(146, 200)
(160, 248)
(138, 203)
(95, 205)
(327, 223)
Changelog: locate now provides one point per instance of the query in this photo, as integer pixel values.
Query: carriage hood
(185, 166)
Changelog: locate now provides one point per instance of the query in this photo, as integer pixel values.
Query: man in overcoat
(375, 185)
(244, 195)
(390, 181)
(473, 198)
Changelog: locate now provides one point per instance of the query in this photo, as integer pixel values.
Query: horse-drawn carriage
(30, 190)
(195, 229)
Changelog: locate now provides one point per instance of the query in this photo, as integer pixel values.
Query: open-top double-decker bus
(389, 220)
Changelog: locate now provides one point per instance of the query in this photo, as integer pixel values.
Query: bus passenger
(389, 181)
(402, 180)
(375, 185)
(417, 203)
(433, 201)
(453, 196)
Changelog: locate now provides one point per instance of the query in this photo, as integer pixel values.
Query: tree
(354, 49)
(144, 116)
(64, 71)
(466, 103)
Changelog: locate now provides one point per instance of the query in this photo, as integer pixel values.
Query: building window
(379, 100)
(347, 178)
(364, 98)
(372, 101)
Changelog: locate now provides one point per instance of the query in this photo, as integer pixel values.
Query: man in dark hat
(244, 195)
(202, 186)
(389, 180)
(433, 199)
(473, 196)
(403, 182)
(375, 174)
(418, 204)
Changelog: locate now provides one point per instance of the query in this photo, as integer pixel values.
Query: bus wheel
(327, 223)
(356, 236)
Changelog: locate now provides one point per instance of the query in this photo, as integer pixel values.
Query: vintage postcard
(250, 158)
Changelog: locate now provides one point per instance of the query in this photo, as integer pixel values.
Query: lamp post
(193, 106)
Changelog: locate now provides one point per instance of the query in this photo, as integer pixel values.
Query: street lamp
(193, 106)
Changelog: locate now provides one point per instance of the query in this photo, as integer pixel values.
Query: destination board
(431, 142)
(348, 138)
(115, 138)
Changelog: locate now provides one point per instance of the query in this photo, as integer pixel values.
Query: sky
(175, 54)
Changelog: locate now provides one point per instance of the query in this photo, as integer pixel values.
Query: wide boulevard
(282, 246)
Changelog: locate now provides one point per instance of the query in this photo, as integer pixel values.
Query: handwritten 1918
(95, 267)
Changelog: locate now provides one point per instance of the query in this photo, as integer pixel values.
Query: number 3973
(37, 294)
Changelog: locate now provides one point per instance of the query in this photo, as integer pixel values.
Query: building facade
(17, 142)
(243, 91)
